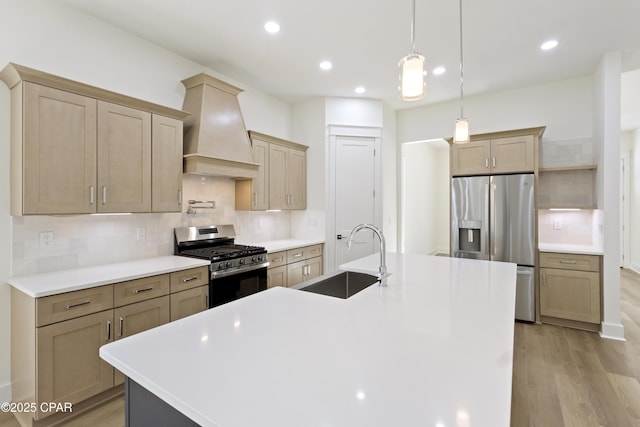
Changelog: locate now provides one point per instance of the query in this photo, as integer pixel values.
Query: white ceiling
(366, 38)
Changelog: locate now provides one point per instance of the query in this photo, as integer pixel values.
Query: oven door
(235, 286)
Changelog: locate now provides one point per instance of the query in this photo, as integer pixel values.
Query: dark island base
(143, 409)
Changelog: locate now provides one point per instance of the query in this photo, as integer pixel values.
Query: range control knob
(228, 264)
(259, 257)
(221, 266)
(253, 259)
(241, 262)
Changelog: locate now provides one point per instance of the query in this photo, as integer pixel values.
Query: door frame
(333, 133)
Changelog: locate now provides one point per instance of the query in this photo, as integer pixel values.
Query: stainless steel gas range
(236, 270)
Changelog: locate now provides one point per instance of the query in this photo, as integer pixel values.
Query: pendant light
(461, 134)
(412, 74)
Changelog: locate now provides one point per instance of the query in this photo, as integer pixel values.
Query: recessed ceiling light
(439, 70)
(548, 45)
(326, 65)
(360, 89)
(272, 27)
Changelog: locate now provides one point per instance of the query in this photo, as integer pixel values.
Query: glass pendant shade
(412, 77)
(461, 135)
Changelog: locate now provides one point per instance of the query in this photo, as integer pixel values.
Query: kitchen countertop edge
(283, 244)
(570, 249)
(58, 282)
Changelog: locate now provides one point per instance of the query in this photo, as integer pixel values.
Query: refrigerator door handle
(486, 215)
(492, 219)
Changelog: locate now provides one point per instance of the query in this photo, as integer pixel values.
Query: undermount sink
(341, 284)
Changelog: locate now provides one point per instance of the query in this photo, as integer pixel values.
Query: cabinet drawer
(277, 259)
(295, 255)
(570, 261)
(140, 289)
(56, 308)
(187, 279)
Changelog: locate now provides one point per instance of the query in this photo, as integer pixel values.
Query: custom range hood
(215, 138)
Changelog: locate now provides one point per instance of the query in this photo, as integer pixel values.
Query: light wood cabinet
(55, 133)
(69, 368)
(191, 301)
(502, 152)
(570, 290)
(294, 266)
(124, 159)
(302, 271)
(55, 340)
(166, 164)
(79, 149)
(282, 181)
(141, 316)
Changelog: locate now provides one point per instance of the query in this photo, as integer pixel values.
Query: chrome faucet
(382, 270)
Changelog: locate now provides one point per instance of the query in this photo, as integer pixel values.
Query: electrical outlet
(46, 239)
(557, 224)
(141, 233)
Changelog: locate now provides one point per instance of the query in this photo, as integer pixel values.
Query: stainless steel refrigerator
(493, 218)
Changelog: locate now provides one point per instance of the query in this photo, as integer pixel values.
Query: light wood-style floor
(566, 377)
(562, 377)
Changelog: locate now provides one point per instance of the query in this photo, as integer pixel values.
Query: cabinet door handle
(179, 197)
(255, 199)
(70, 306)
(121, 326)
(189, 279)
(486, 162)
(206, 302)
(137, 291)
(544, 280)
(92, 194)
(108, 330)
(568, 261)
(104, 195)
(493, 161)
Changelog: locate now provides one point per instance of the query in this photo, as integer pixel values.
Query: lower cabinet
(69, 368)
(191, 301)
(55, 340)
(302, 271)
(294, 266)
(141, 316)
(570, 290)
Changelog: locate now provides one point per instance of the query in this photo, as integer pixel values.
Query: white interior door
(354, 195)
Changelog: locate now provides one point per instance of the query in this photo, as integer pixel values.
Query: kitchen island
(434, 348)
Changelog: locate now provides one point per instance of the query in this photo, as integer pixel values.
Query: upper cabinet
(572, 187)
(497, 153)
(282, 176)
(79, 149)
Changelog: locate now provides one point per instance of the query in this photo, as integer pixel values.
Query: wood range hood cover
(216, 141)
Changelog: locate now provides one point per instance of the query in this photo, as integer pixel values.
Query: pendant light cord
(413, 28)
(461, 67)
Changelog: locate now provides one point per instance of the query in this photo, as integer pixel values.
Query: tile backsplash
(571, 227)
(86, 240)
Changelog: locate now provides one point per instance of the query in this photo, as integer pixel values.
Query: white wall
(564, 107)
(606, 133)
(425, 198)
(51, 37)
(390, 194)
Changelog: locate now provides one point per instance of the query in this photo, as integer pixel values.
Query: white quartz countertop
(570, 249)
(57, 282)
(434, 348)
(282, 244)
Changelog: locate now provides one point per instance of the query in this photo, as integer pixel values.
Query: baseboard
(5, 392)
(612, 331)
(635, 268)
(5, 396)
